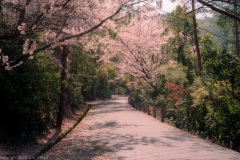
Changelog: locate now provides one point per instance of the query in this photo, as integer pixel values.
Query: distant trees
(216, 4)
(229, 9)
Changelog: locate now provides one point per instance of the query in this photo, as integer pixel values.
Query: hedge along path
(61, 135)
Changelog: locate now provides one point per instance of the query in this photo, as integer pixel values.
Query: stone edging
(61, 136)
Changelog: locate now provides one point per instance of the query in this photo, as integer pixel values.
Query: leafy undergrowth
(14, 147)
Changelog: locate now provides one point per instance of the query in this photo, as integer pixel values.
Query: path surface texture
(114, 130)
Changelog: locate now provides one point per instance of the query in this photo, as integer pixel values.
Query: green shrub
(29, 98)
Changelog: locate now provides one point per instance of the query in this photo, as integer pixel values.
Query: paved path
(114, 130)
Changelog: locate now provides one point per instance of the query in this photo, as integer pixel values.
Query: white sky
(168, 6)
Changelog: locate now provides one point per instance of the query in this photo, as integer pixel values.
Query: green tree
(29, 98)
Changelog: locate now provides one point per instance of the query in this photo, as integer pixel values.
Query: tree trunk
(1, 10)
(237, 39)
(196, 38)
(63, 95)
(236, 32)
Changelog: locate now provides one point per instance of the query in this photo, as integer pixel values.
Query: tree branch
(64, 4)
(228, 2)
(219, 10)
(22, 13)
(24, 57)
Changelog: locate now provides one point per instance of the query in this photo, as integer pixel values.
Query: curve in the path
(114, 130)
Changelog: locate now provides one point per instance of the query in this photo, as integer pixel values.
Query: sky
(169, 6)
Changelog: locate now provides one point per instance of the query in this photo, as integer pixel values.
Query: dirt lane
(114, 130)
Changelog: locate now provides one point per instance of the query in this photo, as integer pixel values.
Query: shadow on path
(114, 130)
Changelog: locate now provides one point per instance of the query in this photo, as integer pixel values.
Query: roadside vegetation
(56, 55)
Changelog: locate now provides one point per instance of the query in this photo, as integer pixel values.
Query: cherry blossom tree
(140, 45)
(143, 47)
(40, 25)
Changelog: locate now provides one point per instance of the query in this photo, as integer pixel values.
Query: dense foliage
(44, 77)
(29, 98)
(205, 104)
(30, 92)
